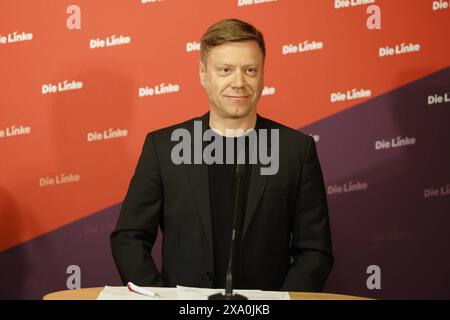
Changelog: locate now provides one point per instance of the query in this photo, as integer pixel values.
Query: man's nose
(238, 80)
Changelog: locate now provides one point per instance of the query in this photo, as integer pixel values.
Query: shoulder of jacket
(286, 132)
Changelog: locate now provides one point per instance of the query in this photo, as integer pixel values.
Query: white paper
(123, 293)
(185, 293)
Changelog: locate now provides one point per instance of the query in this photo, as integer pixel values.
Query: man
(283, 236)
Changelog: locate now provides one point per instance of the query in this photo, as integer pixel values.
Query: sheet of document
(185, 293)
(122, 293)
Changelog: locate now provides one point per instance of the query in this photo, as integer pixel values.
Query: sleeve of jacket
(134, 236)
(311, 236)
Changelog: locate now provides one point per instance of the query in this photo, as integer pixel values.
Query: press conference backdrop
(82, 82)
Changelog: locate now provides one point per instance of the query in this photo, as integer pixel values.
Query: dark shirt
(222, 180)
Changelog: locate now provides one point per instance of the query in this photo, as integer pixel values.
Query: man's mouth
(237, 97)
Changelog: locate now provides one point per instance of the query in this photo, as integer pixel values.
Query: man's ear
(202, 73)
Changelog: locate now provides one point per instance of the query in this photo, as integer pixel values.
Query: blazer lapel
(198, 176)
(257, 181)
(199, 179)
(255, 191)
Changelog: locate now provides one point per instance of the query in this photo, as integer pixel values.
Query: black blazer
(286, 233)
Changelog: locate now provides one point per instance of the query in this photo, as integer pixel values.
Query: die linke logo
(268, 91)
(14, 130)
(399, 49)
(433, 192)
(394, 235)
(441, 5)
(107, 134)
(350, 186)
(396, 142)
(192, 46)
(339, 4)
(15, 36)
(59, 179)
(316, 137)
(350, 95)
(99, 228)
(61, 86)
(159, 89)
(150, 1)
(304, 46)
(438, 99)
(111, 41)
(241, 3)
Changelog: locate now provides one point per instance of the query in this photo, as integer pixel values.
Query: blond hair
(229, 30)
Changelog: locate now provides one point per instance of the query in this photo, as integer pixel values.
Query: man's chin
(236, 113)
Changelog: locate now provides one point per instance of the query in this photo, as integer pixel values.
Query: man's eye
(224, 70)
(251, 70)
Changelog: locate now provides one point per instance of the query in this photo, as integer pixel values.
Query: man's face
(233, 78)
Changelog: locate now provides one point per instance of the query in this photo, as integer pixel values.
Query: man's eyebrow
(232, 65)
